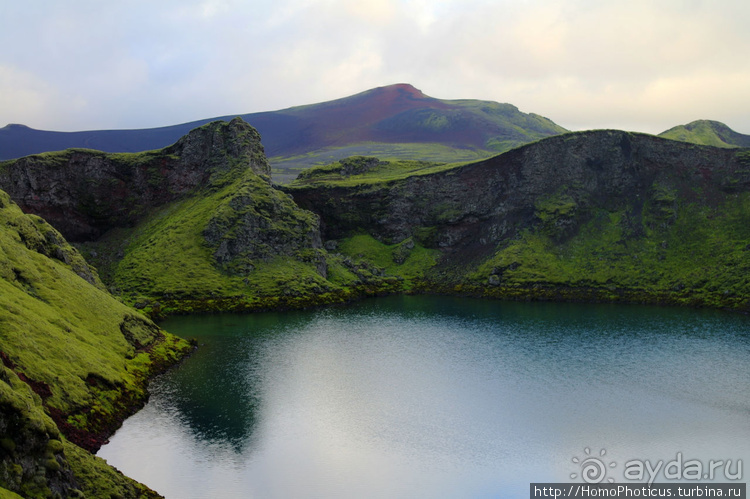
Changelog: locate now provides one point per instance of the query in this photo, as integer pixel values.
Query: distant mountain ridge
(395, 114)
(707, 133)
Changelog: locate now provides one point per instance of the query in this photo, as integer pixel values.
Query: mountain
(708, 133)
(395, 121)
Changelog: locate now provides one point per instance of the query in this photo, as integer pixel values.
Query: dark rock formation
(549, 184)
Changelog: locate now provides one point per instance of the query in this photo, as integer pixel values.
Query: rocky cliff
(84, 193)
(565, 212)
(483, 203)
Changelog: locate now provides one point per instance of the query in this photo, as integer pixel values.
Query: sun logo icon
(593, 469)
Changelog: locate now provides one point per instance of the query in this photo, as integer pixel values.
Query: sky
(641, 65)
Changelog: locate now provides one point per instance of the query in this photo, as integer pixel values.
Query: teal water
(432, 397)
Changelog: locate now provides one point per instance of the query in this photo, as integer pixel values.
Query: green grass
(56, 325)
(166, 254)
(286, 169)
(385, 171)
(708, 133)
(407, 259)
(174, 261)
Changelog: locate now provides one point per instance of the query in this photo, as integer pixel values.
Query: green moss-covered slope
(76, 361)
(244, 246)
(707, 133)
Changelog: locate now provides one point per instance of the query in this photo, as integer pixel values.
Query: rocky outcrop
(601, 215)
(84, 193)
(256, 224)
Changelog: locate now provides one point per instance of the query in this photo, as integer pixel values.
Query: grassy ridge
(287, 168)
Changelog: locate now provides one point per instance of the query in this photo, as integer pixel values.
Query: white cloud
(634, 63)
(22, 94)
(27, 99)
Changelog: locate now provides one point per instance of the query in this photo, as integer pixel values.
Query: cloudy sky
(643, 65)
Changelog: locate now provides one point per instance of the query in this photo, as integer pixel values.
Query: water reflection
(217, 398)
(436, 397)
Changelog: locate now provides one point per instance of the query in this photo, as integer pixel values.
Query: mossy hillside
(361, 170)
(677, 252)
(31, 459)
(407, 260)
(37, 461)
(240, 246)
(709, 133)
(70, 350)
(88, 355)
(513, 128)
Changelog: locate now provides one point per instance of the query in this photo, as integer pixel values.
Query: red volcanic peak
(398, 113)
(350, 119)
(403, 89)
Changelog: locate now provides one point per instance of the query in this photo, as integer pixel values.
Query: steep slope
(70, 351)
(603, 215)
(395, 121)
(707, 133)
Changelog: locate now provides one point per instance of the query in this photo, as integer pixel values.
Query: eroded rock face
(549, 184)
(83, 193)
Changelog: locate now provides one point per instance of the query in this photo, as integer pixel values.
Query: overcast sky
(643, 65)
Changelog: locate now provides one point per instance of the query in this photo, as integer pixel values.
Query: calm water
(431, 397)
